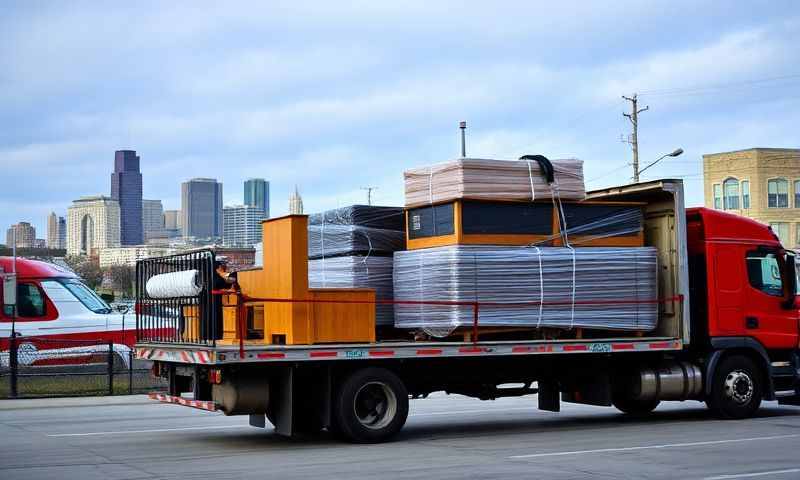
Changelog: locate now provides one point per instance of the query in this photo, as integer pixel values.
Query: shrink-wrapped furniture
(596, 288)
(485, 179)
(478, 222)
(357, 272)
(356, 230)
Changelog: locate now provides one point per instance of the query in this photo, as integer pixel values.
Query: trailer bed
(225, 355)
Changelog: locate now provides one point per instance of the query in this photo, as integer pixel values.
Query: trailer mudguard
(722, 345)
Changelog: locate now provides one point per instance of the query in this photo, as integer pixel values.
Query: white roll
(185, 283)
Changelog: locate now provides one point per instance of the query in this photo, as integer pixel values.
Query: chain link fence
(44, 367)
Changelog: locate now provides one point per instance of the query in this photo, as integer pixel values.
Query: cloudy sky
(335, 96)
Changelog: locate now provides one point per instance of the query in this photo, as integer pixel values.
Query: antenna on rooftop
(463, 126)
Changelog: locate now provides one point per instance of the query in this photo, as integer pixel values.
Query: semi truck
(727, 335)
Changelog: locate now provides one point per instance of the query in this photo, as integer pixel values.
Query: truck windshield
(86, 296)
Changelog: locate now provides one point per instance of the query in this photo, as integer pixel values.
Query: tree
(87, 269)
(122, 278)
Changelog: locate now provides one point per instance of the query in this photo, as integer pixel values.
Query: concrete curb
(73, 402)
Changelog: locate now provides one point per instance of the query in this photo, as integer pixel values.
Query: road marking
(457, 412)
(754, 474)
(155, 430)
(649, 447)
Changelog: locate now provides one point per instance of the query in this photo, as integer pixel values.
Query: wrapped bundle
(387, 218)
(336, 240)
(185, 283)
(357, 272)
(601, 288)
(356, 230)
(481, 179)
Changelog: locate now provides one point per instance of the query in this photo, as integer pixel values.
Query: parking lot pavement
(445, 437)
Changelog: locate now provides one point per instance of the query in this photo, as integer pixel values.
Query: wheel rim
(739, 387)
(375, 405)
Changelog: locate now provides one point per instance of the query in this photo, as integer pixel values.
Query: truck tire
(636, 408)
(736, 388)
(370, 407)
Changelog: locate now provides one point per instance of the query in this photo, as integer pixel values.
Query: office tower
(256, 194)
(241, 225)
(56, 231)
(201, 208)
(172, 223)
(26, 235)
(153, 219)
(126, 189)
(295, 203)
(93, 223)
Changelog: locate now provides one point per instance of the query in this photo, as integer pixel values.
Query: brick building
(759, 183)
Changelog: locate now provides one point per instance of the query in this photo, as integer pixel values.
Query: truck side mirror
(9, 293)
(791, 280)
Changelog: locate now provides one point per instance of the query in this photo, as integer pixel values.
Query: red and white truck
(727, 335)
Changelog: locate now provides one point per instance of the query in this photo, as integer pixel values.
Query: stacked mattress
(602, 288)
(357, 272)
(484, 179)
(356, 230)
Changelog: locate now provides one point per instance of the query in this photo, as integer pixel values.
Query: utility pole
(369, 193)
(634, 138)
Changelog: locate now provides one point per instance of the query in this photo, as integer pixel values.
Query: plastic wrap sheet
(558, 287)
(336, 240)
(357, 272)
(185, 283)
(387, 218)
(483, 179)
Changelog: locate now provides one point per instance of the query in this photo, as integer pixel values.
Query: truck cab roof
(27, 268)
(709, 225)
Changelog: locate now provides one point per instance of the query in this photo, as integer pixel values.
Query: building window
(797, 194)
(730, 189)
(745, 194)
(717, 196)
(781, 229)
(778, 193)
(764, 273)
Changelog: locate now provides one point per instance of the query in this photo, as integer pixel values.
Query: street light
(677, 152)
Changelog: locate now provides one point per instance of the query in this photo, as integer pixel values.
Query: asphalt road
(446, 437)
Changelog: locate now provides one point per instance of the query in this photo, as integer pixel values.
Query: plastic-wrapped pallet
(356, 230)
(357, 272)
(484, 179)
(600, 288)
(336, 240)
(387, 218)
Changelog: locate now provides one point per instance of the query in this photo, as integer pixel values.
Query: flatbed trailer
(702, 349)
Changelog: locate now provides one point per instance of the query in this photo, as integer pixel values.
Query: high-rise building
(241, 225)
(201, 208)
(26, 235)
(93, 223)
(153, 219)
(295, 203)
(759, 183)
(56, 231)
(256, 194)
(126, 188)
(172, 223)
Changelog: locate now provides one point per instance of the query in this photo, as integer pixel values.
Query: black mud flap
(793, 400)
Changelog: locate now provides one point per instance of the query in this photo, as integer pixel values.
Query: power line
(719, 86)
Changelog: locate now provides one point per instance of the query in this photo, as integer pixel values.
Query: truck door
(765, 318)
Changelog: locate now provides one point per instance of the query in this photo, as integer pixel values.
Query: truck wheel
(371, 406)
(633, 407)
(736, 388)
